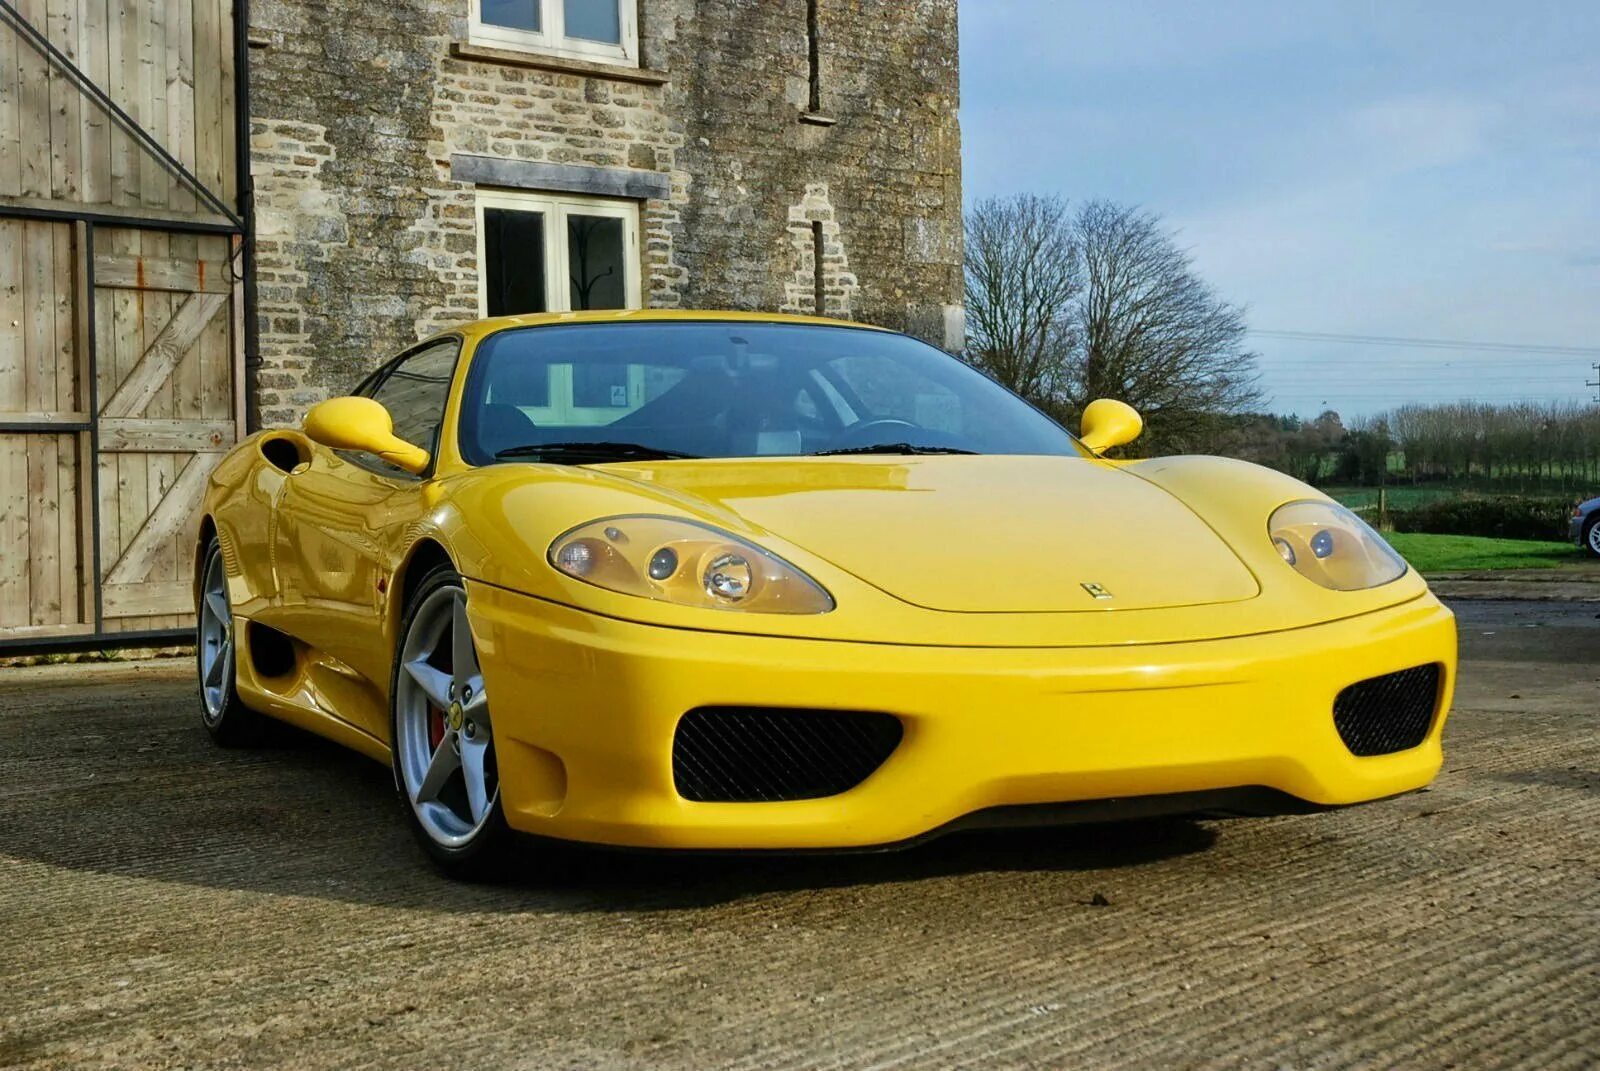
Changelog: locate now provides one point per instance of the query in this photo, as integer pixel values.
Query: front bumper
(1575, 529)
(585, 708)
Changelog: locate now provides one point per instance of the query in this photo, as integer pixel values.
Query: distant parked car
(1585, 528)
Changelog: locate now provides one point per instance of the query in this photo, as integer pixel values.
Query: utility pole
(1595, 383)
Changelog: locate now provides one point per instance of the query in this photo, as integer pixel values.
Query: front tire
(442, 736)
(222, 712)
(1591, 537)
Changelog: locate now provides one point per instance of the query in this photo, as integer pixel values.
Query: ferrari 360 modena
(745, 582)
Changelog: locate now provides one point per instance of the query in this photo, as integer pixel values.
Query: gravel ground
(167, 904)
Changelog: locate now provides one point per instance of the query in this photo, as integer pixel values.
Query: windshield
(590, 392)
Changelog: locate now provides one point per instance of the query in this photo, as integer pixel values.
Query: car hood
(995, 534)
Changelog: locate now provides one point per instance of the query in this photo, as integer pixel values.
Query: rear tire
(222, 712)
(1591, 537)
(441, 735)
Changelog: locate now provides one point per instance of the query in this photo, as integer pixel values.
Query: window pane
(595, 20)
(595, 260)
(513, 251)
(415, 394)
(513, 14)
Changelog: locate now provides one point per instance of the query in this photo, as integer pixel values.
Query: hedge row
(1501, 517)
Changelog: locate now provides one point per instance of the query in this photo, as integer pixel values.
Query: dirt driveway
(169, 904)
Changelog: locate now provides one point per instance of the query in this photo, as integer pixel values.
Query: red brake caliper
(436, 719)
(435, 726)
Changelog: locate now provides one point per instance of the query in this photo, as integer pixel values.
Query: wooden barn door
(168, 409)
(46, 571)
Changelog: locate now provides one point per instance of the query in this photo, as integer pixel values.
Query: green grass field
(1451, 553)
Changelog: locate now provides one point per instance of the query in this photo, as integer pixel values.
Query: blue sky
(1421, 169)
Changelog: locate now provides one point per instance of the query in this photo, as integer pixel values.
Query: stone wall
(365, 243)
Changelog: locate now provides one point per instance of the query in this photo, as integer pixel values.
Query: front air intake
(1387, 714)
(764, 755)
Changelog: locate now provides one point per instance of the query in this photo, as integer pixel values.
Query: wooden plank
(107, 517)
(40, 632)
(154, 181)
(216, 365)
(180, 132)
(13, 378)
(160, 469)
(33, 88)
(174, 273)
(13, 530)
(129, 484)
(208, 114)
(66, 350)
(46, 418)
(186, 386)
(108, 511)
(122, 82)
(154, 369)
(68, 534)
(227, 185)
(126, 600)
(44, 531)
(39, 315)
(66, 146)
(176, 436)
(95, 127)
(10, 115)
(73, 484)
(164, 522)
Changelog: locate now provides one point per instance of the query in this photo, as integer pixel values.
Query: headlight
(1329, 544)
(685, 563)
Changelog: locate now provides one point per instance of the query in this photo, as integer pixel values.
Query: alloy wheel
(216, 641)
(443, 736)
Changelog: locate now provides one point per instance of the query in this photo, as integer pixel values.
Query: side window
(415, 391)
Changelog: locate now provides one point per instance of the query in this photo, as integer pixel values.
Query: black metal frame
(240, 223)
(113, 219)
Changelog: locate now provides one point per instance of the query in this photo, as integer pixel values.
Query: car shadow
(139, 791)
(595, 879)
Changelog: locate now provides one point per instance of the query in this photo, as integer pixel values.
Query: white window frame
(552, 38)
(556, 208)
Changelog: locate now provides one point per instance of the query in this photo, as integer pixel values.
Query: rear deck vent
(763, 755)
(1387, 714)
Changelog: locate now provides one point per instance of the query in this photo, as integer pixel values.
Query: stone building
(424, 162)
(214, 213)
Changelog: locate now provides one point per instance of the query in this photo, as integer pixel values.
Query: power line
(1430, 343)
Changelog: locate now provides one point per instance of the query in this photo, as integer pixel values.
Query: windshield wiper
(892, 448)
(578, 453)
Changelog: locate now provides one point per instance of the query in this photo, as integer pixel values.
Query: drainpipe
(247, 211)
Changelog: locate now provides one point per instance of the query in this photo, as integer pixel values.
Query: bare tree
(1151, 332)
(1021, 276)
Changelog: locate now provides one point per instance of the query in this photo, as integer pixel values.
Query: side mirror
(1108, 423)
(362, 424)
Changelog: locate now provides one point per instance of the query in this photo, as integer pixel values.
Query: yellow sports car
(723, 581)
